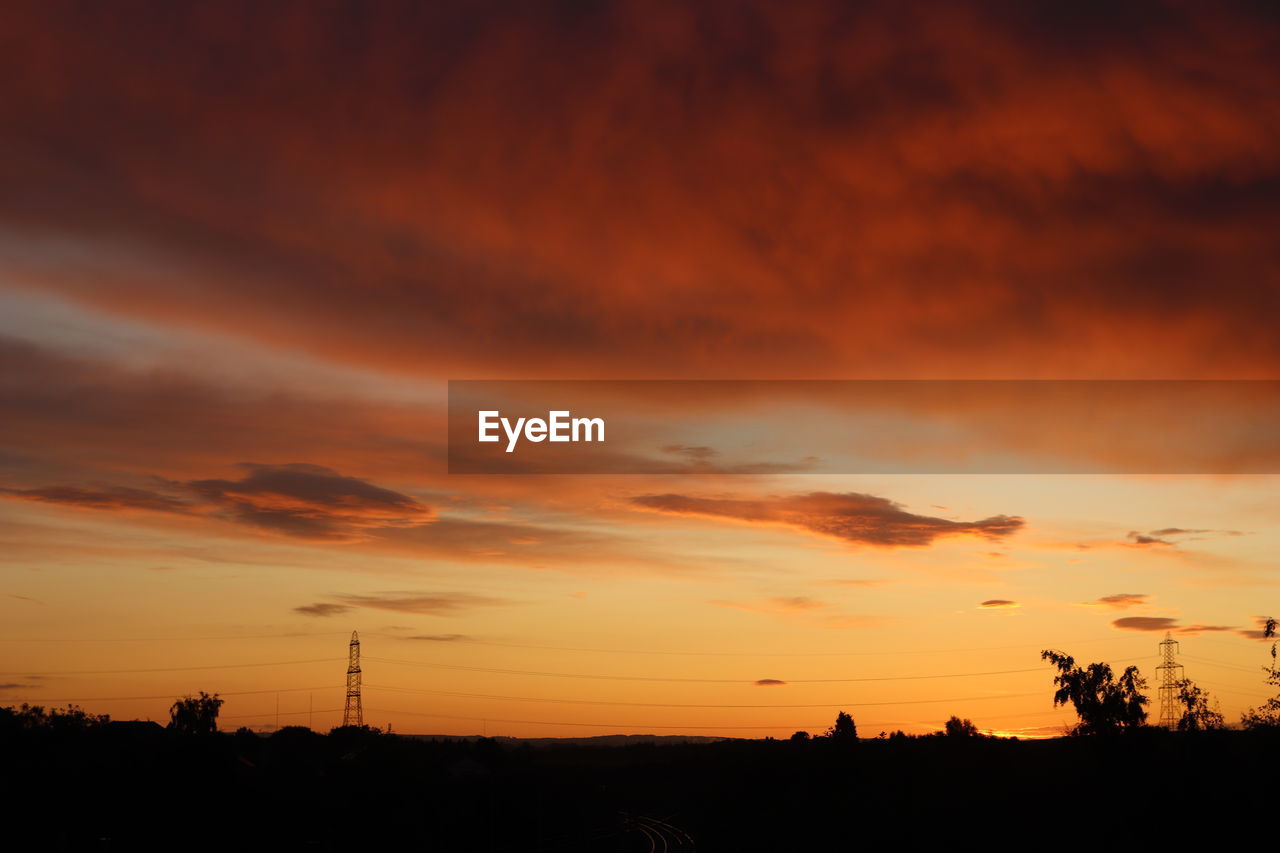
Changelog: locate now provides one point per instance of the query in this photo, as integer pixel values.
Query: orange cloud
(853, 517)
(310, 501)
(322, 609)
(423, 603)
(109, 497)
(1146, 623)
(803, 196)
(1167, 623)
(1120, 601)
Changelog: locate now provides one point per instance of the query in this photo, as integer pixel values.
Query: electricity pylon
(353, 714)
(1171, 677)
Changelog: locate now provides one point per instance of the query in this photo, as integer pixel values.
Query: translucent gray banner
(864, 427)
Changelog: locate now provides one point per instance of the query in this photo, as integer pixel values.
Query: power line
(1220, 689)
(459, 667)
(687, 705)
(589, 725)
(537, 647)
(29, 672)
(288, 635)
(1236, 667)
(475, 642)
(281, 713)
(171, 696)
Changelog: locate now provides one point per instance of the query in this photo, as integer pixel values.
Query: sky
(243, 249)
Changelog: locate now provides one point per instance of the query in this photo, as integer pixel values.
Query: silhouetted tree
(844, 730)
(1268, 715)
(956, 727)
(1197, 716)
(195, 715)
(61, 719)
(800, 736)
(1105, 704)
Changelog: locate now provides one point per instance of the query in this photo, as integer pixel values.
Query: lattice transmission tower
(353, 714)
(1171, 676)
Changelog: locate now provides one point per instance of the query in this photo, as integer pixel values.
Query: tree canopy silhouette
(1105, 704)
(1197, 716)
(58, 719)
(1268, 714)
(956, 727)
(844, 729)
(195, 715)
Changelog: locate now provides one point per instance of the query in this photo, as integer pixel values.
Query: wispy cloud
(322, 608)
(1167, 623)
(1120, 600)
(310, 501)
(423, 603)
(1173, 536)
(850, 516)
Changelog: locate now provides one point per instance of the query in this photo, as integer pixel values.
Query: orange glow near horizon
(232, 296)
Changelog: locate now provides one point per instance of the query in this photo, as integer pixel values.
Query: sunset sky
(244, 247)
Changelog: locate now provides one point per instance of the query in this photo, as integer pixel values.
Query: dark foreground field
(134, 786)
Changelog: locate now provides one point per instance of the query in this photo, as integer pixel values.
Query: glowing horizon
(232, 296)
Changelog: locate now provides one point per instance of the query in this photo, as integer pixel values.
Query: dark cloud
(1143, 539)
(1258, 632)
(108, 497)
(770, 682)
(96, 413)
(1167, 623)
(478, 538)
(1146, 623)
(1121, 600)
(854, 517)
(439, 638)
(296, 499)
(424, 603)
(310, 501)
(1167, 535)
(999, 603)
(17, 685)
(1183, 531)
(321, 608)
(315, 502)
(1105, 177)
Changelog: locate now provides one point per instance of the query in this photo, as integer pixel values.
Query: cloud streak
(310, 501)
(1168, 623)
(321, 608)
(806, 218)
(423, 603)
(850, 516)
(1120, 600)
(299, 500)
